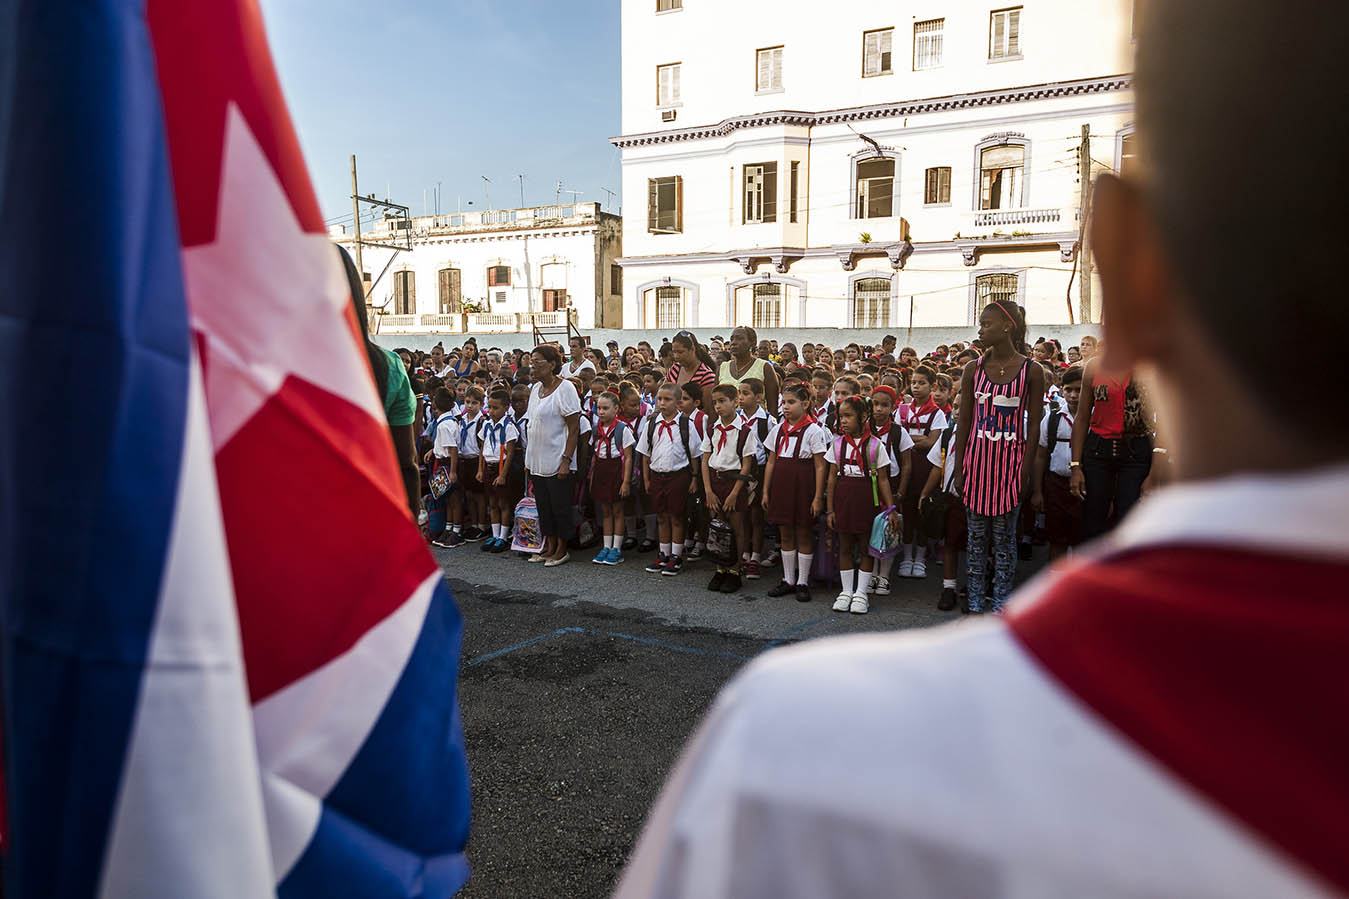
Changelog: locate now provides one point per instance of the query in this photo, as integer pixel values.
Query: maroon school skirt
(854, 510)
(511, 492)
(1063, 512)
(468, 475)
(606, 479)
(669, 492)
(791, 493)
(919, 469)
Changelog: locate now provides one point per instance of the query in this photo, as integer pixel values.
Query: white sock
(863, 582)
(754, 557)
(884, 568)
(846, 575)
(665, 549)
(948, 582)
(908, 552)
(920, 554)
(652, 528)
(677, 549)
(803, 561)
(457, 528)
(789, 567)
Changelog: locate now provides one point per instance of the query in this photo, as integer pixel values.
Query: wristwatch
(1074, 464)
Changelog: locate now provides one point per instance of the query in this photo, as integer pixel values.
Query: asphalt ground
(579, 685)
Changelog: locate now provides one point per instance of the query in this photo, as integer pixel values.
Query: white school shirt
(569, 372)
(548, 428)
(445, 431)
(760, 454)
(583, 429)
(1063, 451)
(496, 435)
(851, 469)
(948, 469)
(814, 441)
(466, 436)
(907, 417)
(726, 459)
(613, 449)
(668, 456)
(905, 443)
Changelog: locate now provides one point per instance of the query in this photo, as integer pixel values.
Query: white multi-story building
(507, 265)
(857, 164)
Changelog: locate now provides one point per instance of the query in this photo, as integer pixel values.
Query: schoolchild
(821, 401)
(502, 486)
(942, 458)
(749, 397)
(631, 409)
(924, 421)
(899, 446)
(438, 456)
(691, 406)
(793, 488)
(844, 387)
(1050, 492)
(730, 450)
(612, 441)
(859, 487)
(468, 504)
(669, 455)
(941, 395)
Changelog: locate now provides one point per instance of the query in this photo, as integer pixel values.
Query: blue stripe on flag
(93, 393)
(406, 843)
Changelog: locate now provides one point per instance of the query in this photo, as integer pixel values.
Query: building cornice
(1050, 91)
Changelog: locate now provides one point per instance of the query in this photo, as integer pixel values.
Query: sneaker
(732, 583)
(920, 568)
(693, 553)
(774, 557)
(673, 566)
(488, 545)
(472, 535)
(629, 543)
(750, 570)
(803, 593)
(717, 580)
(859, 604)
(905, 568)
(501, 546)
(657, 564)
(450, 540)
(843, 602)
(782, 589)
(881, 586)
(615, 556)
(601, 557)
(646, 546)
(948, 599)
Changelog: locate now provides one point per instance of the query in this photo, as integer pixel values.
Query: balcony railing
(476, 322)
(443, 321)
(998, 217)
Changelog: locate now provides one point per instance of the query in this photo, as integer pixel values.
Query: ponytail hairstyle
(689, 341)
(861, 407)
(800, 391)
(1017, 316)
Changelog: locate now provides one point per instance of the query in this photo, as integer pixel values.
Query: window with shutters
(1000, 287)
(871, 303)
(937, 185)
(451, 291)
(554, 300)
(927, 44)
(665, 205)
(615, 279)
(875, 188)
(1128, 155)
(767, 305)
(1004, 34)
(669, 307)
(668, 5)
(761, 193)
(877, 57)
(498, 276)
(667, 84)
(404, 293)
(768, 69)
(794, 186)
(1002, 177)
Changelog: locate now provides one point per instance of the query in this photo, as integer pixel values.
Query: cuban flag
(229, 662)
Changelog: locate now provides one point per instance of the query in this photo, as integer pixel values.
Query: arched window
(767, 305)
(669, 308)
(871, 303)
(1002, 177)
(999, 287)
(404, 292)
(451, 291)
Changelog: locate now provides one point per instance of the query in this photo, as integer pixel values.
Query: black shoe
(657, 565)
(1025, 550)
(673, 566)
(731, 584)
(473, 534)
(948, 599)
(782, 589)
(646, 546)
(717, 580)
(802, 593)
(488, 546)
(450, 539)
(629, 544)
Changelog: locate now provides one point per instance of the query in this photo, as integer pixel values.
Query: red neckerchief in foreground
(787, 431)
(607, 436)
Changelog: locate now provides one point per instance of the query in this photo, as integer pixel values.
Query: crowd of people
(791, 455)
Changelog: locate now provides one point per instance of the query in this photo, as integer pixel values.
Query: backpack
(683, 436)
(1055, 415)
(721, 542)
(527, 536)
(885, 537)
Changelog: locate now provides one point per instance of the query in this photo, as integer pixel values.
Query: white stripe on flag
(189, 818)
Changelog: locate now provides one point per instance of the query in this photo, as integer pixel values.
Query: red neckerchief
(666, 426)
(723, 430)
(787, 431)
(850, 442)
(606, 436)
(883, 432)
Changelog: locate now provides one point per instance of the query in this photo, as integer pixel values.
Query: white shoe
(919, 568)
(843, 602)
(881, 586)
(859, 604)
(536, 558)
(560, 560)
(906, 568)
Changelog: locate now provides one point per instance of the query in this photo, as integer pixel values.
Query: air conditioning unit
(667, 115)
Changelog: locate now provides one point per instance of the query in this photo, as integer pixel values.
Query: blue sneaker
(615, 556)
(602, 557)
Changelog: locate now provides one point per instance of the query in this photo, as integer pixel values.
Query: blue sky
(450, 90)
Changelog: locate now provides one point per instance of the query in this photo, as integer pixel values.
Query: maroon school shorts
(468, 475)
(513, 489)
(1063, 512)
(957, 526)
(722, 485)
(669, 492)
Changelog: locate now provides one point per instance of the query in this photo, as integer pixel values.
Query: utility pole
(522, 190)
(1084, 233)
(557, 195)
(486, 197)
(356, 217)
